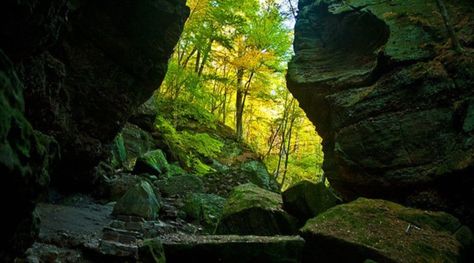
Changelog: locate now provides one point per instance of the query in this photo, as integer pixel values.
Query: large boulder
(140, 200)
(205, 209)
(390, 97)
(385, 232)
(251, 210)
(153, 162)
(307, 199)
(257, 173)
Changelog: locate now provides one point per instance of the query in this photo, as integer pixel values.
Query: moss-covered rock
(180, 185)
(391, 98)
(206, 209)
(251, 210)
(307, 199)
(131, 143)
(174, 170)
(257, 173)
(140, 200)
(385, 232)
(153, 162)
(223, 181)
(151, 251)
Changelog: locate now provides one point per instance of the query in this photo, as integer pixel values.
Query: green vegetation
(229, 70)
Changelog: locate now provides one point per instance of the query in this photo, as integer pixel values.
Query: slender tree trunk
(198, 61)
(283, 137)
(293, 11)
(449, 27)
(186, 61)
(205, 57)
(288, 148)
(224, 106)
(239, 104)
(287, 154)
(272, 140)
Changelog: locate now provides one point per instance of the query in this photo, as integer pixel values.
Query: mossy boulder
(180, 185)
(153, 162)
(206, 209)
(131, 143)
(257, 173)
(151, 251)
(251, 210)
(140, 200)
(385, 232)
(307, 199)
(174, 170)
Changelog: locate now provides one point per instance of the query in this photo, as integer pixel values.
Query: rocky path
(82, 230)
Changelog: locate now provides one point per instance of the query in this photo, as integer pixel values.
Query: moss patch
(392, 231)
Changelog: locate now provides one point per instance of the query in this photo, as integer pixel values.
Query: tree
(449, 27)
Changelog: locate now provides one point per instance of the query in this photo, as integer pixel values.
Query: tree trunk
(198, 61)
(447, 22)
(205, 57)
(288, 148)
(272, 140)
(239, 99)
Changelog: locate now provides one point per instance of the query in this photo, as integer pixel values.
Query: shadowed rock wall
(391, 99)
(72, 72)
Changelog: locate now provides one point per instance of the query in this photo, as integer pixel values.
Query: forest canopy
(231, 61)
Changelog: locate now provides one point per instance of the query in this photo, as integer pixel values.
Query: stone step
(231, 248)
(117, 249)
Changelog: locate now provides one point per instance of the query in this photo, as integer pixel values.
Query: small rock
(138, 201)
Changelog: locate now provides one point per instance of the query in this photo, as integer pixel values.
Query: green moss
(180, 185)
(251, 210)
(248, 196)
(396, 232)
(153, 162)
(206, 209)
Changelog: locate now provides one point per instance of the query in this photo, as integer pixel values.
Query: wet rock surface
(390, 98)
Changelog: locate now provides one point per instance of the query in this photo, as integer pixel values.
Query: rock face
(385, 232)
(78, 70)
(86, 66)
(307, 199)
(251, 210)
(24, 163)
(391, 99)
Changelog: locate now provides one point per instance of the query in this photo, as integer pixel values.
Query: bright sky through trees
(231, 60)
